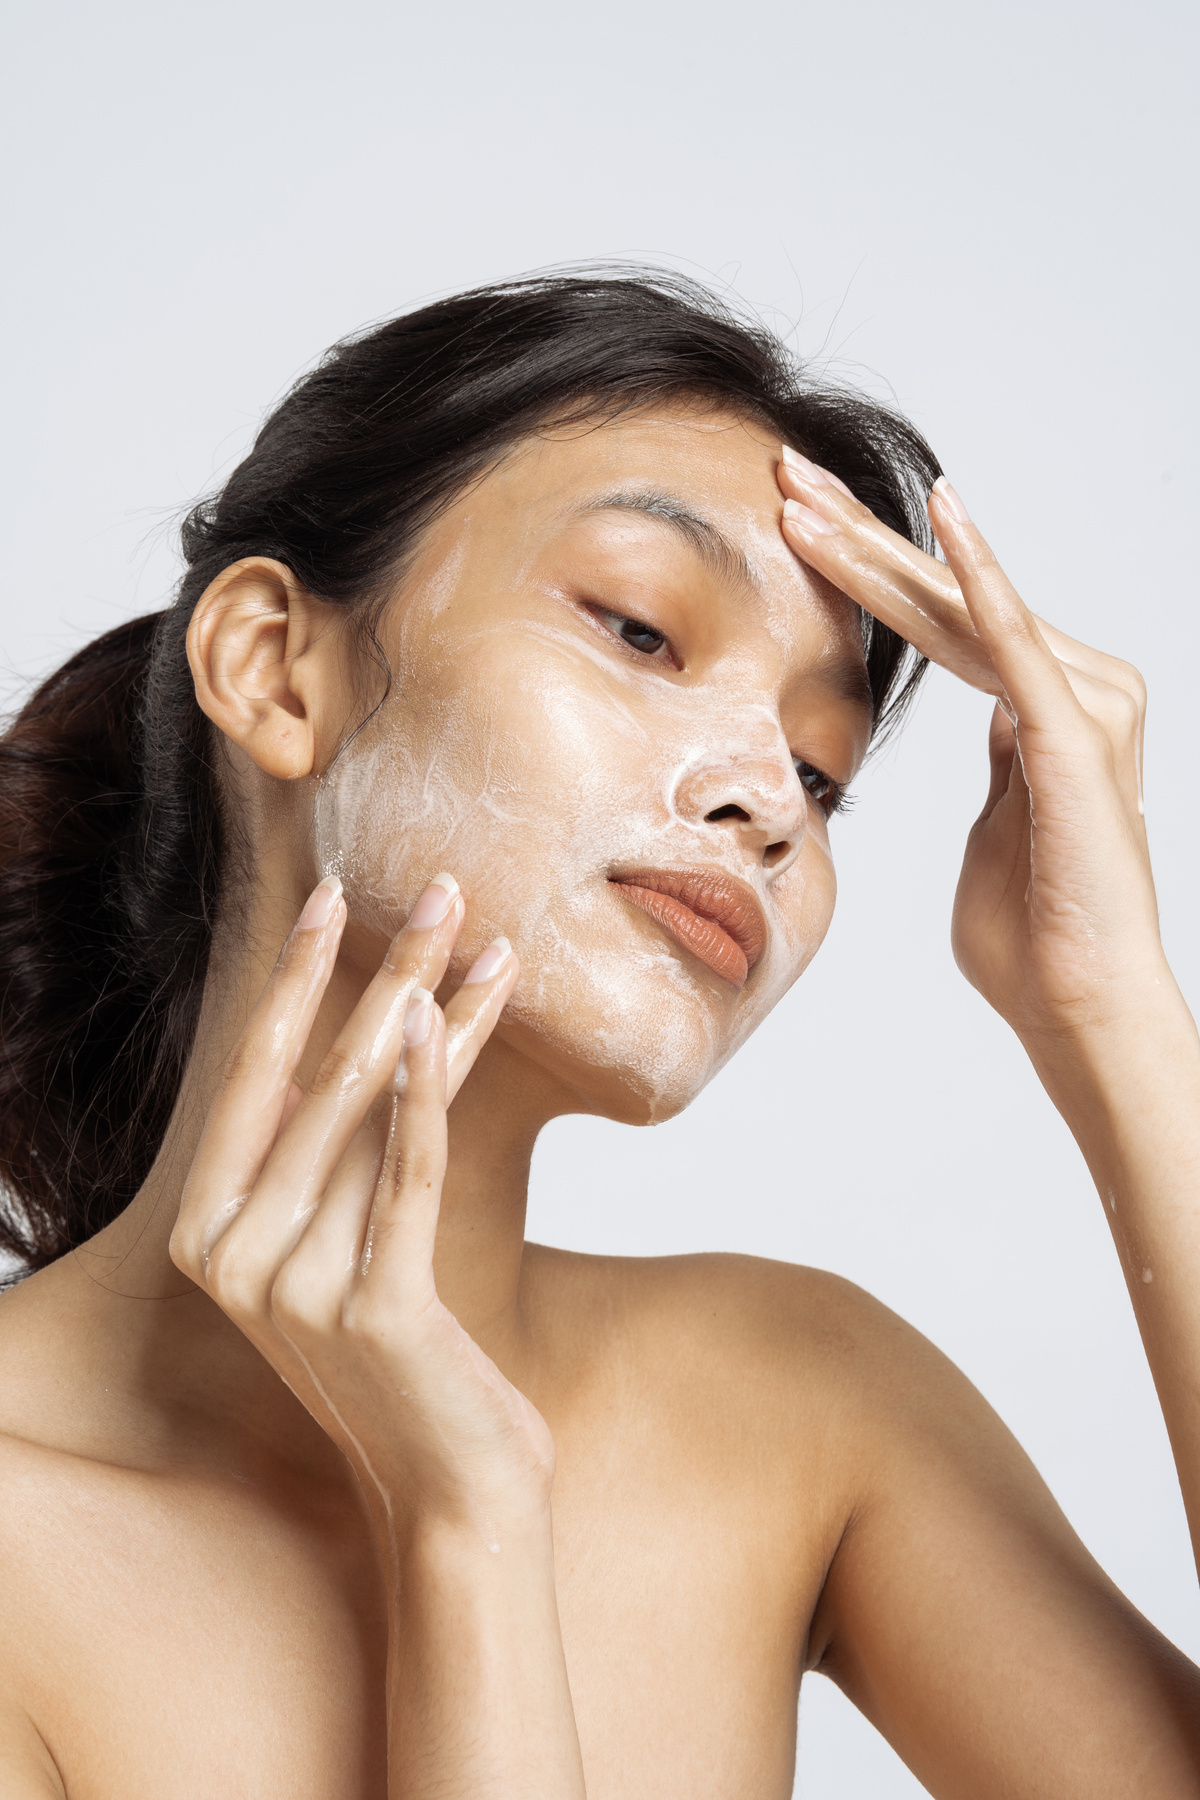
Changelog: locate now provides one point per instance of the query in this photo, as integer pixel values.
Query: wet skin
(537, 754)
(756, 1468)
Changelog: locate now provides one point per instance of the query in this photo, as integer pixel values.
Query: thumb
(1002, 752)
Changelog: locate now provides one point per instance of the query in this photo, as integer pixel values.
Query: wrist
(420, 1542)
(479, 1701)
(1117, 1023)
(1126, 1066)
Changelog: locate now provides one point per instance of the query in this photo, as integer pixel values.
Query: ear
(264, 658)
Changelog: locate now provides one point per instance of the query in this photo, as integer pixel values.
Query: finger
(353, 1073)
(1031, 676)
(294, 1096)
(253, 1100)
(308, 1291)
(1123, 721)
(880, 570)
(397, 1259)
(804, 469)
(909, 591)
(1002, 750)
(472, 1014)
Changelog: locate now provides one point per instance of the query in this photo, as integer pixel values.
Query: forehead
(722, 465)
(637, 475)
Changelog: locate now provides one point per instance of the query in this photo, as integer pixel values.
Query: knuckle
(1020, 622)
(401, 961)
(418, 1170)
(1120, 712)
(1131, 710)
(232, 1279)
(290, 1301)
(978, 555)
(416, 1165)
(296, 956)
(245, 1059)
(368, 1322)
(1090, 737)
(1134, 683)
(339, 1070)
(183, 1247)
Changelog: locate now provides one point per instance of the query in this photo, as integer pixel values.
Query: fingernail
(318, 908)
(837, 482)
(418, 1018)
(434, 903)
(809, 471)
(489, 962)
(805, 519)
(951, 501)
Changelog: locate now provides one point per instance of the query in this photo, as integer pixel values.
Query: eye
(637, 635)
(819, 786)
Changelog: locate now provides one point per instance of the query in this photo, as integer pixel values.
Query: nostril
(775, 853)
(726, 812)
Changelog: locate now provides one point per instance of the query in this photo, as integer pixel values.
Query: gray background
(983, 212)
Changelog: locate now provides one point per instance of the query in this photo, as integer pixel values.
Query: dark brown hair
(111, 836)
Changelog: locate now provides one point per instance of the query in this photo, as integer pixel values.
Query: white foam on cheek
(530, 776)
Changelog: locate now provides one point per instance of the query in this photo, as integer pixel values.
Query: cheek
(524, 774)
(529, 776)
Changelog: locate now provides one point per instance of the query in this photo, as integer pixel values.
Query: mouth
(712, 915)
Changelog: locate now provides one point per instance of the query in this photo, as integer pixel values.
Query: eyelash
(830, 796)
(617, 624)
(833, 798)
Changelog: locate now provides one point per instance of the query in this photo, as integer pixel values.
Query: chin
(638, 1038)
(616, 1084)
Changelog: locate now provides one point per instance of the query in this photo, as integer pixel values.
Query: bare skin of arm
(754, 1467)
(1056, 925)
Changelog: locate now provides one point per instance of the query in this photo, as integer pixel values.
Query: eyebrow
(843, 677)
(846, 678)
(713, 548)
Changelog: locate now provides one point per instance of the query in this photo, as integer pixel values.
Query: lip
(711, 914)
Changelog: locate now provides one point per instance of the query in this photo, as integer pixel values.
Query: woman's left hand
(1055, 919)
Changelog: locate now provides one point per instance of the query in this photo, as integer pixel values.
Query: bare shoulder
(38, 1507)
(947, 1594)
(731, 1319)
(52, 1367)
(830, 1383)
(822, 1385)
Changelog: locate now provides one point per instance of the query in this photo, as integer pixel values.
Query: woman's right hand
(310, 1219)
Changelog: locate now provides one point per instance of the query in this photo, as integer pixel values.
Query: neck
(184, 1349)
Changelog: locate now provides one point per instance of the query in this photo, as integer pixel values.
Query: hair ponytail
(109, 852)
(111, 828)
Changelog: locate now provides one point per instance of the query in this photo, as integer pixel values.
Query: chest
(194, 1643)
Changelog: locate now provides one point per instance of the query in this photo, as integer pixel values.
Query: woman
(510, 688)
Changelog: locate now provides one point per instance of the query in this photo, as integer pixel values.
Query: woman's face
(620, 712)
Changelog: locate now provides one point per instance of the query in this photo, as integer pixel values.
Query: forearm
(1131, 1096)
(478, 1702)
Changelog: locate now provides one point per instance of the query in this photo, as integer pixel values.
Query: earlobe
(251, 644)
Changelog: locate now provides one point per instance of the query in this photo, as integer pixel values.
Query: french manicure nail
(434, 903)
(806, 520)
(318, 908)
(951, 501)
(489, 962)
(808, 471)
(418, 1017)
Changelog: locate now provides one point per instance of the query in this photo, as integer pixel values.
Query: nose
(752, 791)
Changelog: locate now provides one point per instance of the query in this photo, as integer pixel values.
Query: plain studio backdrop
(981, 213)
